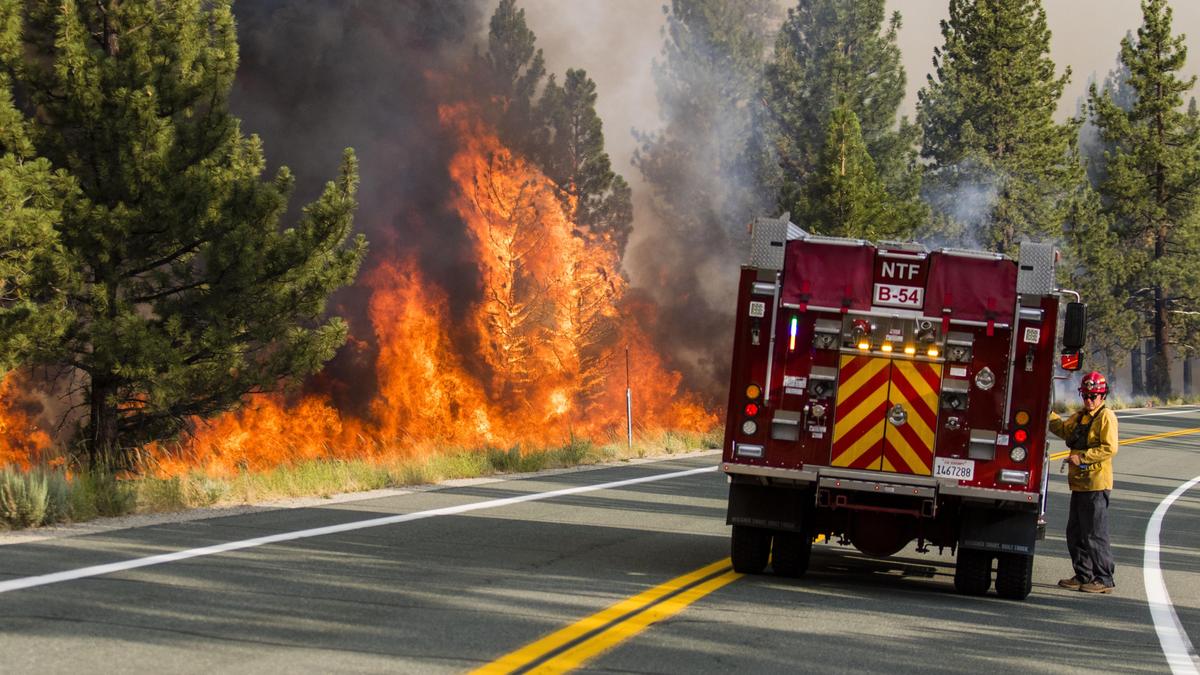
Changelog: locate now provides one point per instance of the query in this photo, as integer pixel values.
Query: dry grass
(53, 498)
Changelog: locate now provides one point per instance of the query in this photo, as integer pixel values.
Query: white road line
(98, 570)
(1158, 414)
(1176, 646)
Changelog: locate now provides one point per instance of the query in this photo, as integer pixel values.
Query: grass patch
(49, 496)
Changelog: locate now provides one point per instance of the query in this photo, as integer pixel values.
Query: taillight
(1020, 435)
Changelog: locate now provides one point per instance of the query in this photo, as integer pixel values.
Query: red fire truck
(886, 393)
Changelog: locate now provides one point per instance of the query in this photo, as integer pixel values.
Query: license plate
(957, 469)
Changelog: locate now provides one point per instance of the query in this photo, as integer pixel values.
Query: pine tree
(571, 153)
(1094, 150)
(1094, 265)
(831, 54)
(999, 165)
(845, 195)
(192, 295)
(703, 166)
(513, 68)
(1152, 189)
(33, 267)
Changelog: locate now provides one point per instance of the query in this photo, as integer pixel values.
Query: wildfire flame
(22, 443)
(540, 360)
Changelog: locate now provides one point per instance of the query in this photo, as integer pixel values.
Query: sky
(616, 41)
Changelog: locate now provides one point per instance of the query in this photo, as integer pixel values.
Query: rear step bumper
(921, 487)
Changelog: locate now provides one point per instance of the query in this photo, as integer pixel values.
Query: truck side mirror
(1075, 327)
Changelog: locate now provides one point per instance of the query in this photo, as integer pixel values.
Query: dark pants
(1087, 537)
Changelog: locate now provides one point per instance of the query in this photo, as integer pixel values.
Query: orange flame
(540, 358)
(22, 443)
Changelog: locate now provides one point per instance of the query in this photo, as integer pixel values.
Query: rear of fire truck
(883, 394)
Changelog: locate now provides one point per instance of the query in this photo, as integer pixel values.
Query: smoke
(963, 197)
(317, 76)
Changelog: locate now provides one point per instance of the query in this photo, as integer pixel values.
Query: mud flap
(998, 531)
(769, 507)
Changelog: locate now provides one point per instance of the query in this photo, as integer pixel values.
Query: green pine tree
(571, 153)
(1095, 266)
(1152, 188)
(831, 54)
(34, 273)
(512, 69)
(192, 296)
(846, 196)
(999, 165)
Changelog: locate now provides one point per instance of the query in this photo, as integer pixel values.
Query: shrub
(160, 494)
(505, 461)
(99, 493)
(23, 498)
(58, 498)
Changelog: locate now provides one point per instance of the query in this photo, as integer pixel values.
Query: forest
(421, 248)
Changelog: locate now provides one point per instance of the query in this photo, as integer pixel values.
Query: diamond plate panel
(1035, 274)
(768, 237)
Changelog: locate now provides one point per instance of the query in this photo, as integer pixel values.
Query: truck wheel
(750, 548)
(1014, 575)
(973, 572)
(790, 553)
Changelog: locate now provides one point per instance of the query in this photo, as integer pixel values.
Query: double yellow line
(582, 641)
(1141, 439)
(575, 645)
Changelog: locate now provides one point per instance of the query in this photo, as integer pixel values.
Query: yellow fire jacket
(1101, 447)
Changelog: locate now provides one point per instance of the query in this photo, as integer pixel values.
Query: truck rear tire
(750, 548)
(1014, 575)
(973, 572)
(791, 553)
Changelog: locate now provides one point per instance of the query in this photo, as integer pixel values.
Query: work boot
(1072, 583)
(1096, 587)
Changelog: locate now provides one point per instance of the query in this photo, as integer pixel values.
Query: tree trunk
(102, 423)
(1158, 376)
(1158, 379)
(1136, 384)
(1187, 377)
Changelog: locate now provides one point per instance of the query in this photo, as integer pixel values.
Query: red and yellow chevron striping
(860, 407)
(868, 389)
(908, 447)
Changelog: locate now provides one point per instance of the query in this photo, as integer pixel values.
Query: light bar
(792, 333)
(886, 346)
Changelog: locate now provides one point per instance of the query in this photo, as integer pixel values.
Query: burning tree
(549, 289)
(191, 296)
(533, 362)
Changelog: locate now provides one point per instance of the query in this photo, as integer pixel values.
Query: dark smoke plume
(317, 76)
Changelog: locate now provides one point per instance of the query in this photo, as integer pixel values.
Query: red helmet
(1093, 383)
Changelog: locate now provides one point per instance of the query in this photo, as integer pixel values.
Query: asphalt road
(454, 591)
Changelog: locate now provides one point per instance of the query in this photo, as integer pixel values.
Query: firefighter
(1091, 436)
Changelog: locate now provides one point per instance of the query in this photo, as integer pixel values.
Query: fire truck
(885, 393)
